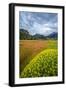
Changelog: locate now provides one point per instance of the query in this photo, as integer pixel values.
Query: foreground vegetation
(30, 49)
(44, 64)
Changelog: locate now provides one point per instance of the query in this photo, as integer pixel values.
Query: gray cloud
(38, 22)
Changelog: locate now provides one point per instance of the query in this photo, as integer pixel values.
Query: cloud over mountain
(38, 22)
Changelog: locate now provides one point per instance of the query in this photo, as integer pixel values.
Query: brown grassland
(28, 49)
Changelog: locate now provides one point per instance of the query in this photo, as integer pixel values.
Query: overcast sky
(38, 22)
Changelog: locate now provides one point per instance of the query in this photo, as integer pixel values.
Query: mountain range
(24, 35)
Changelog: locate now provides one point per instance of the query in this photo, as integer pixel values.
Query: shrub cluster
(44, 64)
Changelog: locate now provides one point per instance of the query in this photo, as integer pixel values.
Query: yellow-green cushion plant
(43, 65)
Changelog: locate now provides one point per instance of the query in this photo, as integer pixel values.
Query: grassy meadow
(30, 49)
